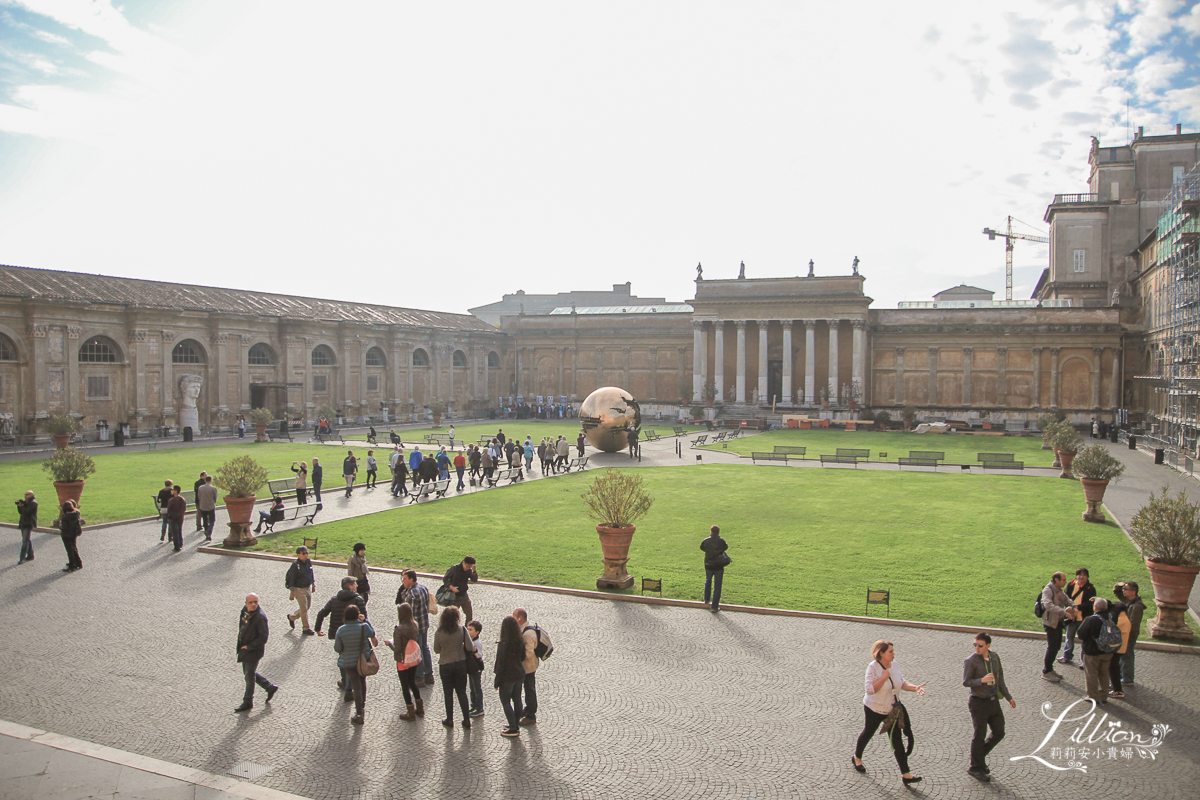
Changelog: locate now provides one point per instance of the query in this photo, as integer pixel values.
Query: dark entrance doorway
(774, 384)
(272, 396)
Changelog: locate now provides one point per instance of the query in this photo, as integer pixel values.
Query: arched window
(460, 358)
(98, 350)
(420, 358)
(8, 350)
(187, 352)
(261, 356)
(322, 356)
(375, 357)
(493, 361)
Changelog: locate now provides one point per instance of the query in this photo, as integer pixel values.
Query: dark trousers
(454, 681)
(74, 563)
(302, 497)
(250, 671)
(372, 478)
(208, 520)
(870, 726)
(176, 531)
(475, 680)
(530, 687)
(425, 668)
(709, 589)
(1054, 637)
(1114, 671)
(985, 714)
(357, 684)
(460, 471)
(26, 545)
(510, 698)
(317, 492)
(408, 682)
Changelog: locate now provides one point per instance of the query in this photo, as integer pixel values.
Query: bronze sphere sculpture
(607, 414)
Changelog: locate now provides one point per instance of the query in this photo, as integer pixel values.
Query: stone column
(562, 370)
(1097, 362)
(858, 376)
(520, 364)
(1002, 376)
(217, 369)
(763, 325)
(625, 359)
(74, 406)
(787, 360)
(1054, 377)
(899, 376)
(363, 409)
(810, 361)
(408, 367)
(834, 386)
(344, 359)
(137, 361)
(697, 361)
(740, 379)
(680, 382)
(448, 351)
(1037, 377)
(1117, 399)
(487, 383)
(574, 372)
(394, 348)
(933, 366)
(654, 373)
(968, 352)
(719, 360)
(599, 367)
(35, 336)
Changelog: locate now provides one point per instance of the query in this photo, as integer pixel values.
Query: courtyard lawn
(972, 549)
(535, 428)
(125, 480)
(959, 448)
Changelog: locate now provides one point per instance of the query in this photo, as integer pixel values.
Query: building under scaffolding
(1170, 289)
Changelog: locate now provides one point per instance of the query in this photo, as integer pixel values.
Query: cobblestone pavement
(136, 652)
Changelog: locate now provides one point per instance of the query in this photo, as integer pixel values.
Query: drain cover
(248, 770)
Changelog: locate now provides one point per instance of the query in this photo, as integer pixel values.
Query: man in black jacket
(428, 471)
(164, 497)
(251, 645)
(715, 561)
(301, 583)
(1081, 593)
(457, 578)
(315, 477)
(984, 676)
(335, 609)
(27, 509)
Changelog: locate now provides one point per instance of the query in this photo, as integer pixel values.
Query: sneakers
(510, 732)
(357, 719)
(1051, 676)
(310, 632)
(1064, 659)
(528, 721)
(292, 621)
(475, 712)
(243, 707)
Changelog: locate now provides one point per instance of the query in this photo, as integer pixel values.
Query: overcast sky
(438, 155)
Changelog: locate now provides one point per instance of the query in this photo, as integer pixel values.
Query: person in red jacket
(460, 466)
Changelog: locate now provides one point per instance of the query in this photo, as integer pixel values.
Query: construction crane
(1009, 238)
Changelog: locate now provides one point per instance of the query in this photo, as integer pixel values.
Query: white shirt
(881, 701)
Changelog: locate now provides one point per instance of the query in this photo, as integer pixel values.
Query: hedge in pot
(70, 468)
(437, 407)
(1167, 531)
(1095, 467)
(909, 415)
(616, 500)
(1044, 422)
(1066, 441)
(261, 417)
(882, 420)
(61, 428)
(241, 478)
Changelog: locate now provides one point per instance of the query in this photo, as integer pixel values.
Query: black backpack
(1039, 610)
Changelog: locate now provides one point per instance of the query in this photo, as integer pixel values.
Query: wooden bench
(936, 455)
(865, 455)
(579, 464)
(918, 462)
(982, 457)
(839, 459)
(699, 440)
(791, 450)
(756, 456)
(309, 512)
(282, 487)
(1018, 465)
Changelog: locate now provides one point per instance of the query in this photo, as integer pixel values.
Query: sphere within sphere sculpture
(607, 414)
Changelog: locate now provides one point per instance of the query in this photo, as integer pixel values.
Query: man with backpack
(1081, 593)
(537, 648)
(1057, 611)
(1096, 635)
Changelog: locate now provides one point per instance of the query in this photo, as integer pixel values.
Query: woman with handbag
(408, 657)
(355, 659)
(71, 528)
(510, 674)
(882, 705)
(452, 643)
(716, 559)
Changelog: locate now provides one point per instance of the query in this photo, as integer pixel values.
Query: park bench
(735, 433)
(510, 474)
(440, 438)
(579, 463)
(394, 438)
(839, 459)
(791, 450)
(865, 455)
(708, 424)
(909, 461)
(985, 457)
(189, 496)
(679, 431)
(429, 489)
(650, 436)
(309, 512)
(1017, 465)
(926, 455)
(699, 440)
(756, 456)
(332, 436)
(281, 487)
(720, 437)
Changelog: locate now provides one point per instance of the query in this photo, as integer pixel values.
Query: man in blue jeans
(1135, 609)
(715, 561)
(417, 596)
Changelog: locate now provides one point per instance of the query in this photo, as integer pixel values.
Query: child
(476, 627)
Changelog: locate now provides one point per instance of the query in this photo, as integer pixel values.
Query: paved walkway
(136, 653)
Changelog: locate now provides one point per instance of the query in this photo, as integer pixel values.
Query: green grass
(959, 448)
(125, 480)
(972, 550)
(535, 428)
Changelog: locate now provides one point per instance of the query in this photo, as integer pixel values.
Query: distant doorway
(774, 384)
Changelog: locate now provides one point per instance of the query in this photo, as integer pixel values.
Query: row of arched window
(102, 350)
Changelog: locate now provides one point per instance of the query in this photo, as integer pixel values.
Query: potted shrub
(437, 408)
(60, 428)
(1095, 467)
(241, 478)
(882, 420)
(1066, 441)
(697, 412)
(709, 393)
(616, 500)
(909, 415)
(1044, 422)
(261, 417)
(70, 468)
(1167, 531)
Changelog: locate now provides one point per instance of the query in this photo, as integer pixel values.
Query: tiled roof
(663, 308)
(76, 287)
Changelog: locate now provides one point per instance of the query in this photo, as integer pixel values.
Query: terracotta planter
(66, 490)
(614, 543)
(62, 440)
(1065, 457)
(1171, 584)
(260, 432)
(1093, 493)
(239, 508)
(437, 420)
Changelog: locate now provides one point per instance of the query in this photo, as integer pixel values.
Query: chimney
(1178, 128)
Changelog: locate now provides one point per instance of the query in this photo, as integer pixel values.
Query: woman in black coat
(71, 528)
(510, 673)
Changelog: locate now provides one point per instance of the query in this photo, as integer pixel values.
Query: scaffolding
(1177, 249)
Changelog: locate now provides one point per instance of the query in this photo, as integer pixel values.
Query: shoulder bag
(367, 665)
(474, 662)
(445, 596)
